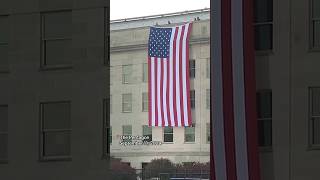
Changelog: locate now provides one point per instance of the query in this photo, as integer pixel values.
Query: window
(189, 134)
(192, 66)
(264, 110)
(55, 130)
(147, 132)
(315, 24)
(192, 99)
(107, 130)
(314, 113)
(3, 133)
(208, 132)
(4, 43)
(144, 101)
(208, 98)
(168, 134)
(144, 72)
(56, 39)
(127, 102)
(126, 74)
(263, 24)
(127, 131)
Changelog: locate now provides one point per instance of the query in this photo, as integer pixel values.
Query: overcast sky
(121, 9)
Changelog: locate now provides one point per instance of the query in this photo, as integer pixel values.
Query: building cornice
(154, 154)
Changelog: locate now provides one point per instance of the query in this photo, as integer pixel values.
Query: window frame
(194, 134)
(42, 157)
(256, 24)
(4, 69)
(311, 145)
(123, 110)
(123, 134)
(145, 108)
(164, 133)
(43, 41)
(312, 21)
(266, 148)
(192, 99)
(5, 161)
(126, 76)
(192, 69)
(146, 140)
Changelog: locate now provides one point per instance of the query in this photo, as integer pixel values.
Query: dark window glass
(57, 144)
(316, 34)
(3, 133)
(192, 99)
(316, 9)
(55, 130)
(147, 131)
(192, 68)
(263, 23)
(57, 52)
(263, 11)
(56, 39)
(314, 115)
(144, 101)
(189, 134)
(4, 43)
(264, 113)
(168, 134)
(127, 132)
(208, 132)
(263, 37)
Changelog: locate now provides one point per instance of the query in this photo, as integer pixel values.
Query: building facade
(129, 87)
(287, 82)
(53, 76)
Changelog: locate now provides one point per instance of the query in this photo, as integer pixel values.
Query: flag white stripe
(217, 97)
(177, 76)
(158, 91)
(153, 106)
(164, 90)
(238, 91)
(184, 78)
(171, 78)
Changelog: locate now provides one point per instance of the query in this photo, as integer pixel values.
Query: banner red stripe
(156, 91)
(187, 76)
(168, 94)
(149, 92)
(180, 76)
(250, 91)
(228, 90)
(161, 92)
(174, 77)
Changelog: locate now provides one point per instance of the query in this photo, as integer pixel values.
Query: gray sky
(134, 8)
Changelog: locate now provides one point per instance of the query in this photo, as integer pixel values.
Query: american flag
(234, 147)
(168, 76)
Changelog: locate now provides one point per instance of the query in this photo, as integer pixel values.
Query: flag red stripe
(228, 89)
(250, 91)
(149, 92)
(168, 94)
(156, 90)
(180, 76)
(187, 76)
(161, 92)
(174, 77)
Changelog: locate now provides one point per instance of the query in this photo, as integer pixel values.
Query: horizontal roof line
(160, 15)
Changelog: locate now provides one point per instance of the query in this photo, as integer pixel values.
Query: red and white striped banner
(234, 147)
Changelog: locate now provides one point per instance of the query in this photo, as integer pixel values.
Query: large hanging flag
(168, 77)
(234, 148)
